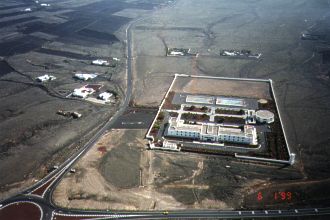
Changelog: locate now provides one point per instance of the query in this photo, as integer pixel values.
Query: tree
(220, 120)
(192, 108)
(204, 116)
(161, 116)
(204, 108)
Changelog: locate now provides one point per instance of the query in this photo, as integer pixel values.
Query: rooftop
(200, 99)
(180, 126)
(211, 128)
(264, 114)
(230, 101)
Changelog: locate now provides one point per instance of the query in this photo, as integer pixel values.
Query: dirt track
(120, 173)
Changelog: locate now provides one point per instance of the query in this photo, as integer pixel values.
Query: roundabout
(21, 211)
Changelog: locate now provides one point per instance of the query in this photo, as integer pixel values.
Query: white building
(177, 128)
(212, 132)
(230, 102)
(85, 76)
(227, 53)
(100, 62)
(176, 53)
(105, 96)
(168, 145)
(264, 116)
(200, 99)
(83, 92)
(247, 135)
(45, 78)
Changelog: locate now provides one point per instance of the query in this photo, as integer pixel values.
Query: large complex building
(236, 120)
(212, 132)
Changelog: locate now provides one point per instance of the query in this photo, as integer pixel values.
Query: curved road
(110, 122)
(52, 180)
(55, 177)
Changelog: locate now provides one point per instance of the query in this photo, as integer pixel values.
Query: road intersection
(40, 194)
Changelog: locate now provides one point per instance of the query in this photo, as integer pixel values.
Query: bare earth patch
(120, 173)
(159, 176)
(222, 87)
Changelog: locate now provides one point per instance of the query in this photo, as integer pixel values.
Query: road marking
(132, 123)
(98, 216)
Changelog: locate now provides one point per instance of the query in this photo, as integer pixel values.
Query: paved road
(58, 174)
(49, 209)
(108, 125)
(111, 121)
(214, 214)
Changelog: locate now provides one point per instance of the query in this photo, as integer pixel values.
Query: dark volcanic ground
(31, 132)
(298, 65)
(301, 72)
(32, 136)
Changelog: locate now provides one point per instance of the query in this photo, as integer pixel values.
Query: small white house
(227, 53)
(176, 53)
(100, 62)
(105, 96)
(82, 92)
(84, 76)
(45, 78)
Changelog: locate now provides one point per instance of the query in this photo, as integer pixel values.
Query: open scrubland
(120, 173)
(60, 40)
(299, 69)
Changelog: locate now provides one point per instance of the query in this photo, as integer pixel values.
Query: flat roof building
(105, 96)
(265, 116)
(46, 77)
(199, 99)
(212, 132)
(100, 62)
(85, 76)
(83, 92)
(230, 101)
